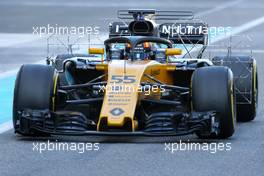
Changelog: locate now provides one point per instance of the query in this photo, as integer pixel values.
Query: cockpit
(137, 48)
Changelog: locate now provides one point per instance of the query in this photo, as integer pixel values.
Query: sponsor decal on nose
(116, 111)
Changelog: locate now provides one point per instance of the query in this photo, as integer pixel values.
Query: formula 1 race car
(140, 86)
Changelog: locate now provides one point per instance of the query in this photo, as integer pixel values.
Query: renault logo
(116, 111)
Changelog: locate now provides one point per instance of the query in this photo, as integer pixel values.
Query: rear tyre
(244, 69)
(247, 112)
(35, 88)
(212, 90)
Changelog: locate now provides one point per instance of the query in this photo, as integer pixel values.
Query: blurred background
(17, 19)
(19, 46)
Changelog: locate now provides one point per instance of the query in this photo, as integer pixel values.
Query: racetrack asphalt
(120, 155)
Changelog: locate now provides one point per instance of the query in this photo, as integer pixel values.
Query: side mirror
(173, 51)
(96, 51)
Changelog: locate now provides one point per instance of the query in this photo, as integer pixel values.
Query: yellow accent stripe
(232, 103)
(255, 82)
(54, 90)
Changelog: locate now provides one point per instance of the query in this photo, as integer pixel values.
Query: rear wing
(183, 28)
(153, 14)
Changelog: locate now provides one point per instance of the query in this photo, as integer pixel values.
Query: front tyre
(212, 90)
(35, 89)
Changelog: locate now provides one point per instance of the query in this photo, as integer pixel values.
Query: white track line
(13, 39)
(6, 126)
(244, 27)
(14, 71)
(8, 73)
(255, 51)
(25, 39)
(218, 8)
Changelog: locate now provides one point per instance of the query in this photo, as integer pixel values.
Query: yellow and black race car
(141, 85)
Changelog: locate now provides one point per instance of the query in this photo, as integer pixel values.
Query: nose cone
(121, 93)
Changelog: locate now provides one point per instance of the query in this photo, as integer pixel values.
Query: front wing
(76, 124)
